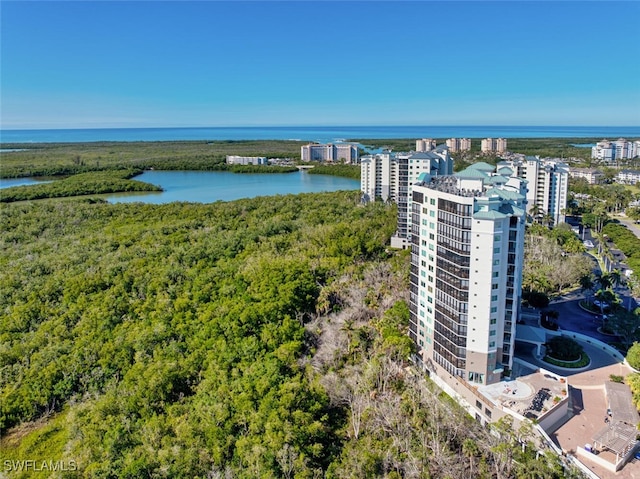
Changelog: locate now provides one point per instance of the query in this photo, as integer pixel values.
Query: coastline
(320, 134)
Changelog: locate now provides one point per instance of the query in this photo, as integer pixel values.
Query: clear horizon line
(325, 126)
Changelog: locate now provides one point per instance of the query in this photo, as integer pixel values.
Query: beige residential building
(592, 175)
(458, 144)
(493, 145)
(425, 144)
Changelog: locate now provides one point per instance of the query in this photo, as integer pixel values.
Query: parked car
(588, 244)
(601, 304)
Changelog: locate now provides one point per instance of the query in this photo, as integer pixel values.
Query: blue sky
(79, 64)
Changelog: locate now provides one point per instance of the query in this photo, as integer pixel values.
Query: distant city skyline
(173, 64)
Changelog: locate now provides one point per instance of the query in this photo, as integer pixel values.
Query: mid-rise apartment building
(467, 248)
(246, 160)
(493, 145)
(458, 144)
(619, 149)
(592, 175)
(341, 152)
(548, 183)
(425, 144)
(390, 177)
(630, 177)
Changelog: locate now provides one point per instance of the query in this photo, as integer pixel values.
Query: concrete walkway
(588, 406)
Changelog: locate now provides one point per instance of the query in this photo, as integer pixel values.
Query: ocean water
(321, 134)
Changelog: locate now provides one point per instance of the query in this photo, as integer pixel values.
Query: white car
(588, 244)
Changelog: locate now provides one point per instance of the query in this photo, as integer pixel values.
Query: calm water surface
(313, 133)
(210, 186)
(9, 182)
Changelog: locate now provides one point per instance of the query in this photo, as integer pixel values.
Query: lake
(211, 186)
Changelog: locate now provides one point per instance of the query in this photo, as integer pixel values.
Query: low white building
(341, 152)
(630, 177)
(246, 160)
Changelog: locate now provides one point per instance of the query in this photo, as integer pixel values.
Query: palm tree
(586, 285)
(604, 281)
(536, 212)
(615, 277)
(471, 450)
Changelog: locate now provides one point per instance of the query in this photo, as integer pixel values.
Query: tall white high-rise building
(467, 249)
(390, 177)
(548, 183)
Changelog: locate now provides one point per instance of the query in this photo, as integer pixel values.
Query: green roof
(488, 215)
(505, 170)
(471, 173)
(496, 179)
(506, 194)
(482, 166)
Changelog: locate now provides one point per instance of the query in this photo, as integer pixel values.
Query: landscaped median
(565, 352)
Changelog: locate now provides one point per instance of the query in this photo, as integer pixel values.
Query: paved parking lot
(588, 401)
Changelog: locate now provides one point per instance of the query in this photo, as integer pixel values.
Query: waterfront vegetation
(347, 171)
(244, 339)
(96, 182)
(55, 159)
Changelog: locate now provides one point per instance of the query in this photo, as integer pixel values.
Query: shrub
(633, 356)
(564, 349)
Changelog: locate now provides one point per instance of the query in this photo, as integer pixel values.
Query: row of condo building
(348, 152)
(620, 149)
(390, 176)
(594, 176)
(466, 235)
(488, 145)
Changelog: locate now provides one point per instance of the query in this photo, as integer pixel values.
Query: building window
(491, 333)
(496, 262)
(495, 274)
(492, 344)
(432, 201)
(496, 250)
(495, 286)
(493, 321)
(496, 238)
(494, 298)
(432, 213)
(494, 309)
